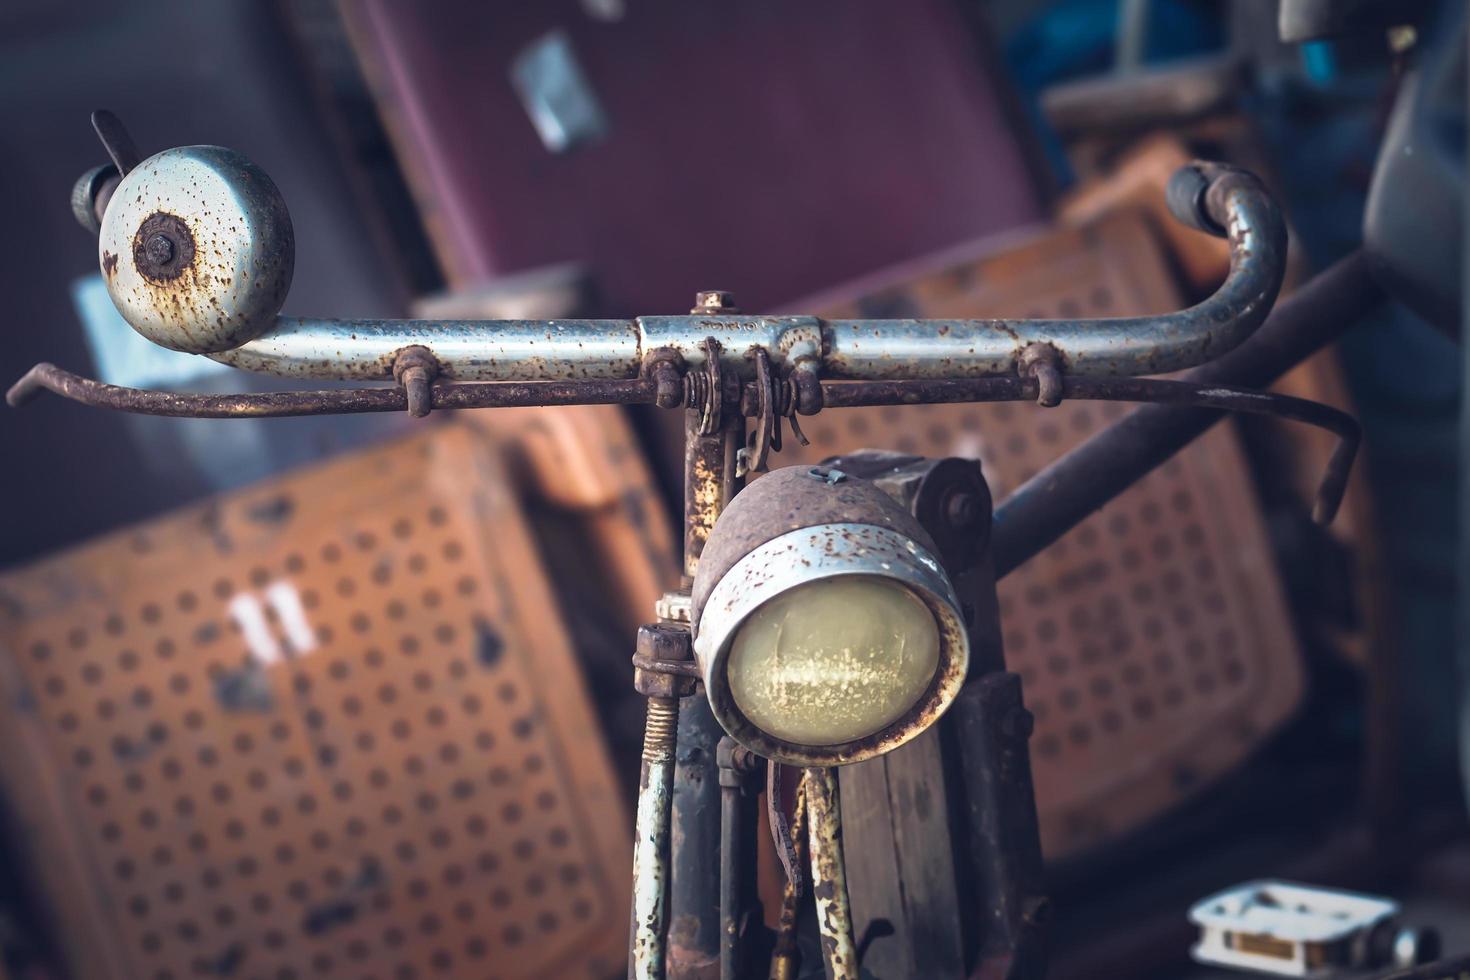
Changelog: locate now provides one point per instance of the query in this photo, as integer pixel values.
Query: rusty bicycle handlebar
(1214, 198)
(198, 252)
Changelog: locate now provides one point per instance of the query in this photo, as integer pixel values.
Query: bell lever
(116, 140)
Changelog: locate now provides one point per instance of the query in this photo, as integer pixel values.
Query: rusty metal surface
(1045, 386)
(197, 250)
(1152, 640)
(325, 726)
(798, 524)
(236, 277)
(829, 874)
(786, 956)
(819, 552)
(344, 401)
(1055, 498)
(790, 499)
(648, 952)
(658, 643)
(694, 856)
(710, 481)
(992, 729)
(712, 438)
(741, 774)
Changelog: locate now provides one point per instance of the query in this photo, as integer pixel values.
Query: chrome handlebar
(555, 350)
(197, 250)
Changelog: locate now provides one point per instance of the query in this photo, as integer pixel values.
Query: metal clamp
(415, 369)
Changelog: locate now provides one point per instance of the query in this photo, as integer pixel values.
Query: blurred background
(1222, 689)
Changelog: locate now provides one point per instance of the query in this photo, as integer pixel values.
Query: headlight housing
(826, 630)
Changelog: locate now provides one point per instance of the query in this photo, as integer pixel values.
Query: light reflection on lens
(833, 660)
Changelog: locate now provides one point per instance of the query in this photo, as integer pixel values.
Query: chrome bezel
(808, 555)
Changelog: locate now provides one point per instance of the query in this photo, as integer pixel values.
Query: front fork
(665, 672)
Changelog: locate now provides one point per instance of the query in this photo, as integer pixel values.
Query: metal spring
(696, 389)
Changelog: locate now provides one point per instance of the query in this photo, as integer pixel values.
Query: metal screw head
(961, 510)
(665, 641)
(713, 301)
(670, 643)
(160, 249)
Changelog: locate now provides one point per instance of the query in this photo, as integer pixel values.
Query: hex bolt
(714, 301)
(664, 643)
(160, 250)
(163, 248)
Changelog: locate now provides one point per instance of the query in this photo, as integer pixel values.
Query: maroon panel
(770, 148)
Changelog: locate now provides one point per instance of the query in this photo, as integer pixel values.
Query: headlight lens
(833, 660)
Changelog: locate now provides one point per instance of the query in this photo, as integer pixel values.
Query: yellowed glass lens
(833, 660)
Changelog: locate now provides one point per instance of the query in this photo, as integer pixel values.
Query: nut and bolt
(160, 249)
(163, 247)
(663, 643)
(714, 301)
(667, 643)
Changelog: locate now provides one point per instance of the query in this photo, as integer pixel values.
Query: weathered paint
(829, 874)
(218, 311)
(805, 555)
(786, 957)
(230, 251)
(651, 840)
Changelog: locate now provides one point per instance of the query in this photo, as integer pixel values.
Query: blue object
(120, 355)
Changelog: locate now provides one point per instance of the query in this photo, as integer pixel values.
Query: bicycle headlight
(825, 628)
